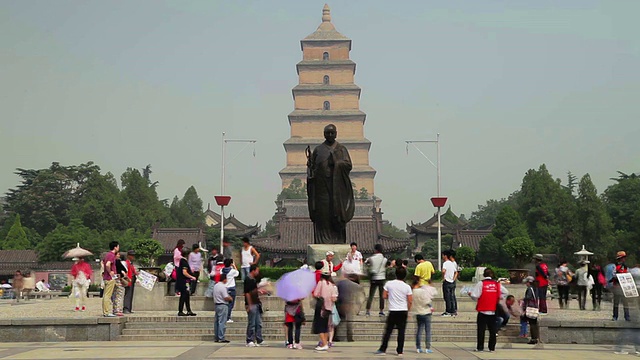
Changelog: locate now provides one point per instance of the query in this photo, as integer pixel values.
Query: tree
(140, 199)
(295, 190)
(572, 182)
(16, 238)
(486, 214)
(507, 220)
(490, 251)
(147, 250)
(622, 201)
(594, 227)
(465, 256)
(520, 249)
(430, 247)
(363, 194)
(188, 211)
(64, 237)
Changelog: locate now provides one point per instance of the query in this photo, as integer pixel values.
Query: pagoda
(326, 94)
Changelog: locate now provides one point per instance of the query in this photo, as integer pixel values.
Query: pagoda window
(325, 56)
(325, 80)
(326, 106)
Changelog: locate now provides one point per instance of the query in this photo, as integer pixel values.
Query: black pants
(582, 297)
(396, 319)
(596, 295)
(563, 295)
(185, 299)
(372, 291)
(290, 327)
(128, 298)
(194, 283)
(534, 329)
(485, 322)
(542, 299)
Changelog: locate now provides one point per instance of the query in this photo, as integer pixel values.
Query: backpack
(218, 271)
(609, 274)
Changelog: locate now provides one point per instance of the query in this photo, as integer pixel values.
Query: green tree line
(52, 209)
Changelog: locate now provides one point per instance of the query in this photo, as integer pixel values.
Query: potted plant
(520, 249)
(147, 251)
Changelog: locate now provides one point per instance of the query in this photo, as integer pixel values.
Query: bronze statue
(329, 189)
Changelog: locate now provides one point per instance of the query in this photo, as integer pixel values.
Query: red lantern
(222, 200)
(439, 201)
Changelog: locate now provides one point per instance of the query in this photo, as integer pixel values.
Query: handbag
(530, 311)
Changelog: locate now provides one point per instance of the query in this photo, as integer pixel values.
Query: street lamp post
(437, 166)
(223, 200)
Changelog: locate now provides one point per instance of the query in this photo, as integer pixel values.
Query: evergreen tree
(16, 238)
(594, 224)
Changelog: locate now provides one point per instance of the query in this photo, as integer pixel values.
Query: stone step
(306, 329)
(279, 325)
(307, 339)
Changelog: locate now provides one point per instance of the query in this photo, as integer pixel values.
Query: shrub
(274, 273)
(467, 274)
(520, 249)
(465, 256)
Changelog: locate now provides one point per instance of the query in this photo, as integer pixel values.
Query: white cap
(329, 253)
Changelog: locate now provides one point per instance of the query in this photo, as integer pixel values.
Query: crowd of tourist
(118, 281)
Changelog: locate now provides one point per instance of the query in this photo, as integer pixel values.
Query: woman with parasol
(81, 272)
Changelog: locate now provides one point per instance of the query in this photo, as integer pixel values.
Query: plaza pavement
(342, 351)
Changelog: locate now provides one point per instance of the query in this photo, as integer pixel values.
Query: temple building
(326, 94)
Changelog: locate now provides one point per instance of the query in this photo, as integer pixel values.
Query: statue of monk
(329, 189)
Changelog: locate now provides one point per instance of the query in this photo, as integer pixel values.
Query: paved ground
(205, 350)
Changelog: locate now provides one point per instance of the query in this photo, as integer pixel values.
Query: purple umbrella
(296, 285)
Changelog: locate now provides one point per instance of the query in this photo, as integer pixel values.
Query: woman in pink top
(177, 253)
(326, 293)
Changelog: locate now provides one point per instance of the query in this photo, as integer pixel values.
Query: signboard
(628, 285)
(146, 280)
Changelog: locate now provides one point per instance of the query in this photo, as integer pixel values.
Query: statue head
(330, 133)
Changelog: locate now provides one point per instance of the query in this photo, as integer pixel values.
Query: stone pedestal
(317, 252)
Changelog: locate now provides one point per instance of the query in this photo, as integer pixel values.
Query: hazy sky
(508, 85)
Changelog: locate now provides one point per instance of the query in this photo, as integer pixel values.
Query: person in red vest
(132, 273)
(542, 279)
(487, 293)
(618, 295)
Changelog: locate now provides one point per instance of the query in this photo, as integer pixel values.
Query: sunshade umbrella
(296, 285)
(77, 252)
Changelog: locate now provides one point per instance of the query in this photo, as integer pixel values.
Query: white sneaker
(262, 344)
(298, 346)
(251, 344)
(322, 348)
(229, 321)
(621, 352)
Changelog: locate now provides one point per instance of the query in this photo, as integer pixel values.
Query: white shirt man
(400, 297)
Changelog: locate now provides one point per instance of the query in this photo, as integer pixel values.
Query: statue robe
(330, 193)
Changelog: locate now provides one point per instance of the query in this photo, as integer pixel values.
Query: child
(423, 308)
(293, 318)
(318, 265)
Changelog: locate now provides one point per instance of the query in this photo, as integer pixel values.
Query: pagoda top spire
(326, 30)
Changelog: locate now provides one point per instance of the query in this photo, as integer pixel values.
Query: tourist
(28, 284)
(41, 286)
(227, 250)
(599, 282)
(318, 266)
(583, 281)
(487, 293)
(249, 256)
(195, 263)
(350, 297)
(531, 301)
(214, 258)
(563, 277)
(509, 309)
(399, 295)
(132, 274)
(327, 263)
(17, 284)
(618, 295)
(449, 277)
(81, 273)
(177, 255)
(377, 275)
(232, 273)
(253, 306)
(109, 277)
(184, 277)
(542, 281)
(293, 318)
(221, 299)
(423, 308)
(424, 270)
(354, 261)
(121, 282)
(326, 294)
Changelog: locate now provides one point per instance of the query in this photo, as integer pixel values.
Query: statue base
(317, 252)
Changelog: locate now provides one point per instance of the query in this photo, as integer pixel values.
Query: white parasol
(77, 252)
